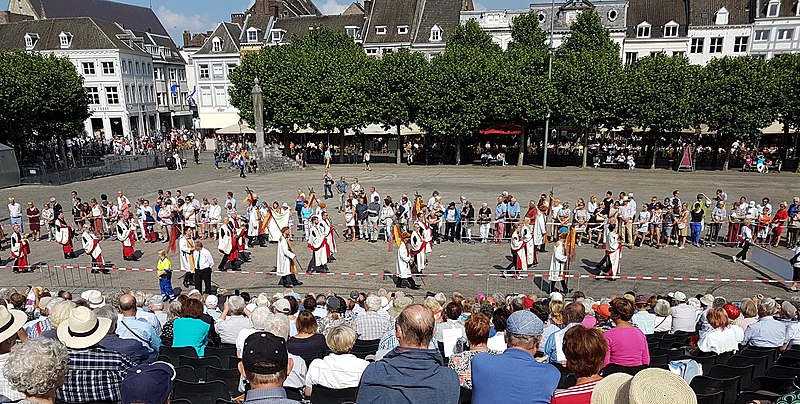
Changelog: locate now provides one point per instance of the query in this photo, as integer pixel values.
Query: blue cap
(147, 384)
(524, 322)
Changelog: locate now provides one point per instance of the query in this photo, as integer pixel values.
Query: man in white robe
(558, 262)
(316, 243)
(402, 273)
(91, 246)
(286, 261)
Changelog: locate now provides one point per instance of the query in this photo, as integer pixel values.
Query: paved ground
(478, 183)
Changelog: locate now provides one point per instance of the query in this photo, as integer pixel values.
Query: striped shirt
(578, 394)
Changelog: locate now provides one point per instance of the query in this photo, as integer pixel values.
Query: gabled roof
(131, 17)
(299, 26)
(391, 14)
(442, 13)
(229, 33)
(354, 8)
(657, 13)
(788, 8)
(87, 33)
(703, 12)
(172, 55)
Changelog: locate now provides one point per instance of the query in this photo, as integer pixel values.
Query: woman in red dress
(779, 222)
(34, 217)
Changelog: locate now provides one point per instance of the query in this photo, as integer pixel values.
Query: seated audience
(148, 383)
(340, 369)
(308, 343)
(36, 369)
(131, 348)
(477, 330)
(190, 329)
(265, 364)
(722, 337)
(767, 332)
(627, 345)
(585, 351)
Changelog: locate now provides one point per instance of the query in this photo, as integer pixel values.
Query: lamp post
(258, 117)
(549, 80)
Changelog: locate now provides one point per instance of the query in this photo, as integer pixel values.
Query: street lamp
(549, 80)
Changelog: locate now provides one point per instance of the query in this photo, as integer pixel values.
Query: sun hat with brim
(96, 299)
(661, 386)
(398, 305)
(11, 321)
(707, 300)
(613, 389)
(82, 329)
(262, 300)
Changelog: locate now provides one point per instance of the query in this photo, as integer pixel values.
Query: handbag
(681, 226)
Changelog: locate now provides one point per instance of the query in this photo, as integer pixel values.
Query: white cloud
(332, 7)
(176, 22)
(479, 6)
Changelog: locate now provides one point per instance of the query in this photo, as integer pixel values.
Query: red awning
(498, 130)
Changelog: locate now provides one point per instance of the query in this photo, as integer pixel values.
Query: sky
(203, 15)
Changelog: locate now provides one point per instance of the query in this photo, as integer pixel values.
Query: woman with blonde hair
(58, 314)
(339, 369)
(556, 317)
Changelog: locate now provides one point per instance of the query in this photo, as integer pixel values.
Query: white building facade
(211, 65)
(776, 29)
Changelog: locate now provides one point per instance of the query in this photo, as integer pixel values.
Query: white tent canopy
(237, 129)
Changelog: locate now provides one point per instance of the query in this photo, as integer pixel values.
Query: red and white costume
(63, 236)
(614, 251)
(239, 233)
(128, 239)
(227, 243)
(317, 242)
(418, 251)
(427, 235)
(518, 252)
(91, 245)
(20, 248)
(327, 230)
(530, 249)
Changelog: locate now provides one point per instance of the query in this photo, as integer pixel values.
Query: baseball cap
(641, 299)
(524, 322)
(557, 296)
(212, 301)
(679, 296)
(265, 354)
(281, 306)
(147, 383)
(335, 304)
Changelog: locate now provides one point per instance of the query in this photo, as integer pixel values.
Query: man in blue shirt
(767, 332)
(499, 220)
(515, 376)
(573, 314)
(129, 327)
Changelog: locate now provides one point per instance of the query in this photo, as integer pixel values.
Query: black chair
(364, 348)
(294, 393)
(777, 385)
(173, 355)
(748, 396)
(673, 354)
(783, 371)
(723, 357)
(614, 368)
(706, 361)
(180, 401)
(440, 345)
(186, 373)
(567, 380)
(709, 385)
(788, 361)
(225, 351)
(201, 392)
(233, 362)
(711, 398)
(228, 376)
(773, 352)
(464, 397)
(324, 395)
(200, 364)
(759, 363)
(745, 373)
(659, 361)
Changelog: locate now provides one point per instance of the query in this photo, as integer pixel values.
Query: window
(541, 17)
(252, 35)
(220, 96)
(762, 35)
(721, 17)
(30, 41)
(66, 39)
(277, 35)
(785, 34)
(679, 53)
(173, 74)
(643, 30)
(656, 53)
(612, 15)
(773, 9)
(740, 44)
(108, 67)
(112, 96)
(352, 32)
(436, 34)
(88, 68)
(372, 51)
(217, 71)
(141, 95)
(151, 94)
(162, 99)
(631, 57)
(203, 71)
(671, 30)
(715, 45)
(205, 97)
(158, 74)
(138, 71)
(380, 30)
(182, 74)
(184, 96)
(149, 69)
(93, 94)
(216, 45)
(130, 67)
(402, 30)
(697, 45)
(231, 68)
(174, 98)
(128, 93)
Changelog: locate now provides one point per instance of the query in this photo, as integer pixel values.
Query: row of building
(139, 81)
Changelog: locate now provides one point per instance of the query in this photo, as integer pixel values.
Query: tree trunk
(521, 155)
(585, 147)
(341, 146)
(458, 151)
(399, 146)
(655, 148)
(727, 161)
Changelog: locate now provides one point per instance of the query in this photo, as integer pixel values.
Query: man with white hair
(767, 332)
(156, 306)
(143, 314)
(212, 307)
(232, 320)
(372, 324)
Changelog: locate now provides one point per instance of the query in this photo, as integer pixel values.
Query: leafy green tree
(41, 98)
(524, 94)
(736, 99)
(660, 95)
(787, 100)
(588, 74)
(394, 83)
(471, 34)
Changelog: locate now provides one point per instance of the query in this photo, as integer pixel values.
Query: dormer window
(612, 15)
(380, 30)
(216, 45)
(436, 34)
(402, 30)
(643, 30)
(721, 17)
(252, 35)
(773, 8)
(277, 35)
(66, 39)
(352, 31)
(30, 41)
(541, 16)
(671, 30)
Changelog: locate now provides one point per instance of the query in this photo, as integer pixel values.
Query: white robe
(124, 234)
(539, 229)
(16, 246)
(62, 233)
(91, 246)
(253, 223)
(284, 258)
(215, 214)
(186, 248)
(417, 245)
(327, 230)
(614, 251)
(558, 262)
(279, 220)
(225, 243)
(527, 238)
(427, 235)
(403, 269)
(316, 242)
(518, 251)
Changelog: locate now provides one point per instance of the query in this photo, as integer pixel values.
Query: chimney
(367, 8)
(238, 18)
(187, 37)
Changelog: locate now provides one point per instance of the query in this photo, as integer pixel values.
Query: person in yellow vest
(164, 269)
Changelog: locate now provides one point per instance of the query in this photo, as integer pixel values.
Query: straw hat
(96, 299)
(11, 321)
(262, 300)
(656, 385)
(399, 304)
(613, 389)
(83, 329)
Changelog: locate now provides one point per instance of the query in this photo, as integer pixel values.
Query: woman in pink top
(749, 314)
(627, 345)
